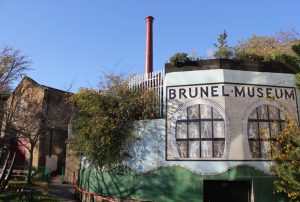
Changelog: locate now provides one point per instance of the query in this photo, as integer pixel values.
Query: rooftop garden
(283, 47)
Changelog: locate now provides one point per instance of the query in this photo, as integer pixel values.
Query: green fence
(171, 183)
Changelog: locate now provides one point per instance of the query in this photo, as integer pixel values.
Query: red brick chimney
(149, 45)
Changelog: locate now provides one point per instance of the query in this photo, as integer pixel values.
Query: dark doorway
(19, 148)
(221, 190)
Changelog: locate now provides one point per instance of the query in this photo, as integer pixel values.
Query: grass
(38, 186)
(38, 196)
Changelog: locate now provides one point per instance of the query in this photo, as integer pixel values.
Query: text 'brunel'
(190, 92)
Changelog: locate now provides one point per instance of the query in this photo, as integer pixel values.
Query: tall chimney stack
(149, 45)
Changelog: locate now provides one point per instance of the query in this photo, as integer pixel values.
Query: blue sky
(76, 40)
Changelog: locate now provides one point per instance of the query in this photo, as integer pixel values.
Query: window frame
(258, 121)
(212, 139)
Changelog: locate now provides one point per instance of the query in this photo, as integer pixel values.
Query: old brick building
(35, 112)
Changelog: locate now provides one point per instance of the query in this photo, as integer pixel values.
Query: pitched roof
(44, 86)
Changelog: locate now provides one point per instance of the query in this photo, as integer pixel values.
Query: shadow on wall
(170, 183)
(148, 149)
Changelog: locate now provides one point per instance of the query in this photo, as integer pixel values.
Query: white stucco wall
(232, 76)
(149, 153)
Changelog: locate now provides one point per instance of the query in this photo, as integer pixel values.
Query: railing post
(152, 80)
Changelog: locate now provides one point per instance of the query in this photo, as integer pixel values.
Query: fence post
(152, 80)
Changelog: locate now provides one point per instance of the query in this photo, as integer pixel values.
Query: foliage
(296, 49)
(39, 186)
(223, 50)
(295, 62)
(268, 48)
(287, 160)
(283, 47)
(179, 59)
(13, 66)
(104, 121)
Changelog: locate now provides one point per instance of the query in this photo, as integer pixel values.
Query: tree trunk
(29, 177)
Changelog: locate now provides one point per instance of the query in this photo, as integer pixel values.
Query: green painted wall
(170, 183)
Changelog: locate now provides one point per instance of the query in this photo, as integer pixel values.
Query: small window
(264, 123)
(201, 133)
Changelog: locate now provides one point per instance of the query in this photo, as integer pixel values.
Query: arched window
(200, 133)
(264, 123)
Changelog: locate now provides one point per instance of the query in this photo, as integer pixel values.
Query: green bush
(179, 59)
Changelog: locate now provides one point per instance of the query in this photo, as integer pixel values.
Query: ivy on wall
(104, 121)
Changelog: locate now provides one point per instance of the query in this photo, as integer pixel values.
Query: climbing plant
(105, 118)
(287, 160)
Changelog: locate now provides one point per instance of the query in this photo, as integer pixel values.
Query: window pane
(264, 130)
(200, 132)
(270, 121)
(216, 114)
(181, 130)
(206, 149)
(254, 149)
(194, 149)
(206, 130)
(262, 112)
(273, 113)
(205, 111)
(282, 116)
(193, 112)
(252, 130)
(194, 130)
(265, 149)
(183, 115)
(218, 149)
(182, 148)
(275, 128)
(282, 125)
(219, 129)
(253, 114)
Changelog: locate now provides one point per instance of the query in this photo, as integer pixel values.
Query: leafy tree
(283, 47)
(223, 50)
(292, 60)
(104, 121)
(179, 59)
(13, 66)
(23, 119)
(287, 160)
(269, 48)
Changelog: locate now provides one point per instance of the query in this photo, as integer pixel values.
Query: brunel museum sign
(204, 91)
(201, 119)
